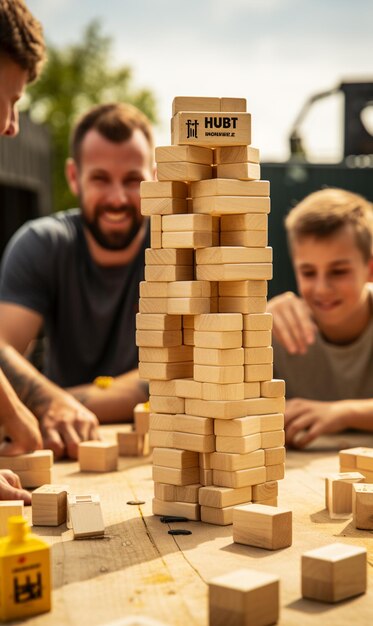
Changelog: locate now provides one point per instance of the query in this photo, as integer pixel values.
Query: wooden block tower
(204, 337)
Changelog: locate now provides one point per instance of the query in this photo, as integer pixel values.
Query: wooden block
(258, 373)
(171, 256)
(166, 355)
(272, 388)
(84, 516)
(188, 306)
(218, 339)
(263, 321)
(212, 130)
(233, 104)
(262, 526)
(239, 427)
(191, 154)
(236, 154)
(156, 224)
(218, 322)
(217, 391)
(338, 493)
(233, 254)
(270, 422)
(35, 478)
(133, 444)
(273, 439)
(153, 290)
(269, 502)
(194, 103)
(252, 390)
(334, 572)
(163, 206)
(205, 476)
(158, 338)
(240, 478)
(155, 231)
(247, 221)
(234, 271)
(189, 289)
(188, 321)
(275, 456)
(245, 288)
(185, 509)
(259, 356)
(164, 189)
(238, 445)
(49, 505)
(178, 493)
(170, 273)
(153, 306)
(182, 171)
(242, 171)
(189, 239)
(221, 409)
(8, 508)
(233, 462)
(275, 472)
(347, 458)
(362, 506)
(205, 460)
(256, 338)
(188, 339)
(189, 222)
(364, 459)
(218, 357)
(265, 491)
(160, 438)
(249, 238)
(163, 388)
(242, 305)
(220, 517)
(221, 497)
(231, 205)
(188, 388)
(244, 597)
(38, 460)
(178, 459)
(167, 404)
(98, 456)
(229, 187)
(191, 441)
(215, 374)
(175, 476)
(182, 423)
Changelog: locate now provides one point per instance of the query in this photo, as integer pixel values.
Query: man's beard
(114, 240)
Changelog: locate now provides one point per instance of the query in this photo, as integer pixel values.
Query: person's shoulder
(58, 226)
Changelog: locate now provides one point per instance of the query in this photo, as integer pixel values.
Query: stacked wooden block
(34, 469)
(357, 460)
(204, 337)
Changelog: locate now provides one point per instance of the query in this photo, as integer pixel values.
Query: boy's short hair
(21, 37)
(115, 121)
(323, 213)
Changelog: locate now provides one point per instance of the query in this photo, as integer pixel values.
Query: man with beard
(78, 273)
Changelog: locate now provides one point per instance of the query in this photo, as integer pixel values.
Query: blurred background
(304, 66)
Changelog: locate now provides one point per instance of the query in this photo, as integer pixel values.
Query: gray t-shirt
(89, 310)
(328, 372)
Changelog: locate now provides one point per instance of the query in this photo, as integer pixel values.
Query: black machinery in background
(293, 180)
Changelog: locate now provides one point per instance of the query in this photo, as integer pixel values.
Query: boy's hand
(305, 420)
(293, 326)
(10, 487)
(22, 432)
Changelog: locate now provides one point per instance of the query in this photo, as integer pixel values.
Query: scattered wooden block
(84, 516)
(7, 509)
(204, 129)
(231, 205)
(35, 478)
(98, 456)
(362, 506)
(236, 154)
(189, 510)
(262, 526)
(49, 505)
(334, 572)
(133, 444)
(163, 189)
(244, 597)
(221, 497)
(191, 154)
(338, 493)
(229, 462)
(364, 459)
(38, 460)
(242, 171)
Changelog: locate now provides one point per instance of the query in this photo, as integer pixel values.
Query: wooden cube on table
(362, 506)
(97, 456)
(262, 526)
(334, 572)
(244, 597)
(338, 493)
(49, 505)
(133, 444)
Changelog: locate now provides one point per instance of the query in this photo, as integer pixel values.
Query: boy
(21, 55)
(323, 341)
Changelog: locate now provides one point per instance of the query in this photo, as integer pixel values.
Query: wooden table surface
(139, 569)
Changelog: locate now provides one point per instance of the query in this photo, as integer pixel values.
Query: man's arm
(293, 326)
(305, 420)
(116, 402)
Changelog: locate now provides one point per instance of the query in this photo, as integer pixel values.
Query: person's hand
(293, 326)
(22, 432)
(66, 423)
(305, 420)
(11, 488)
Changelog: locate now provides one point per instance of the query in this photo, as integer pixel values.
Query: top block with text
(211, 129)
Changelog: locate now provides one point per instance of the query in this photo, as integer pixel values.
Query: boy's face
(332, 277)
(13, 80)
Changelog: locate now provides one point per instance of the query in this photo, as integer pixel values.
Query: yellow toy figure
(25, 587)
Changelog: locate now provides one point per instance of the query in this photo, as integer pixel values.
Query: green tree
(74, 79)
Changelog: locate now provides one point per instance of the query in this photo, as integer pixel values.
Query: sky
(274, 53)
